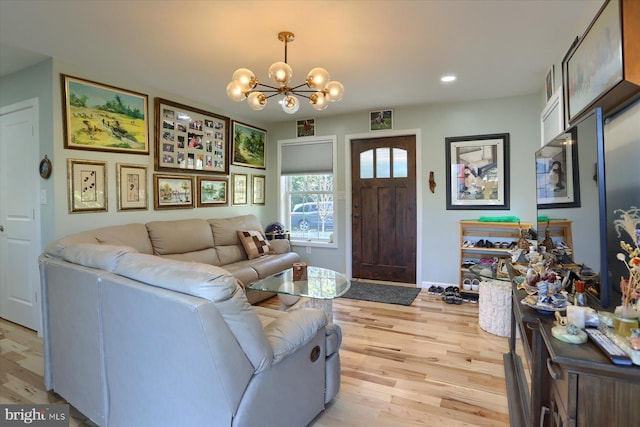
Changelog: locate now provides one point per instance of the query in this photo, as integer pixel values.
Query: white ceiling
(387, 54)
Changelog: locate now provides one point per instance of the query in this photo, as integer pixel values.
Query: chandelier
(322, 90)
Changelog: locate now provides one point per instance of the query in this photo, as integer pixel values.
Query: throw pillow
(254, 243)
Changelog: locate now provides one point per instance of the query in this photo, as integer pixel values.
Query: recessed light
(448, 78)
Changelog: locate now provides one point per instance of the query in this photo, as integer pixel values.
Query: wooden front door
(383, 176)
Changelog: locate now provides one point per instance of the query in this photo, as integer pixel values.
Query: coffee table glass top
(321, 283)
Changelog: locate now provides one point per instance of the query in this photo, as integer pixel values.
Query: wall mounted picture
(305, 127)
(549, 83)
(258, 189)
(594, 65)
(87, 181)
(131, 181)
(104, 118)
(382, 119)
(557, 173)
(478, 171)
(173, 191)
(240, 189)
(249, 145)
(212, 191)
(189, 139)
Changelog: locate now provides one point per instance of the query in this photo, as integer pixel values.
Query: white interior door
(19, 214)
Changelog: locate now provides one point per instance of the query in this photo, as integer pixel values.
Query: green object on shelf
(544, 218)
(499, 219)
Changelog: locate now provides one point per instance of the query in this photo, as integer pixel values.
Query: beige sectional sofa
(212, 241)
(145, 325)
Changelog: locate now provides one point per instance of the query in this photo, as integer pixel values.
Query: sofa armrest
(293, 330)
(334, 338)
(281, 246)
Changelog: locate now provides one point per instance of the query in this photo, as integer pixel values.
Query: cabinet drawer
(560, 383)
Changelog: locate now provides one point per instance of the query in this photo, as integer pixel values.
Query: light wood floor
(424, 365)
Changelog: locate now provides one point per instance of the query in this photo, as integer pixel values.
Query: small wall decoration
(305, 127)
(131, 181)
(249, 146)
(212, 191)
(557, 178)
(550, 83)
(239, 185)
(382, 119)
(87, 180)
(190, 140)
(258, 189)
(173, 191)
(104, 118)
(478, 171)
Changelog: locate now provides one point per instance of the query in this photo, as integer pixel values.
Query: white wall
(519, 116)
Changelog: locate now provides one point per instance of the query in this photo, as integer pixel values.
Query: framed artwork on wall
(382, 119)
(478, 171)
(103, 118)
(173, 191)
(594, 64)
(305, 127)
(240, 189)
(131, 186)
(249, 145)
(87, 186)
(189, 139)
(258, 189)
(557, 173)
(212, 191)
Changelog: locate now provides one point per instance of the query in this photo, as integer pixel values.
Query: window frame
(284, 209)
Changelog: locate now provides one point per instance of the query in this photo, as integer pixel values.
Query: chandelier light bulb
(318, 101)
(281, 73)
(318, 78)
(244, 79)
(257, 101)
(334, 91)
(235, 93)
(290, 104)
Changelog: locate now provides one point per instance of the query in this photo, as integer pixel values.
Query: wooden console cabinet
(552, 383)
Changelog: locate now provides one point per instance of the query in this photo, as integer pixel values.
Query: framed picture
(87, 180)
(173, 191)
(131, 182)
(549, 83)
(552, 118)
(382, 119)
(240, 188)
(190, 140)
(478, 171)
(249, 145)
(104, 118)
(305, 127)
(557, 173)
(594, 65)
(258, 189)
(212, 191)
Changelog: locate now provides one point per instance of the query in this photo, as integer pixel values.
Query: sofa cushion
(181, 237)
(91, 255)
(134, 235)
(254, 243)
(225, 236)
(201, 280)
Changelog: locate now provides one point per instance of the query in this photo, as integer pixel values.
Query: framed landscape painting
(173, 191)
(249, 146)
(212, 191)
(104, 118)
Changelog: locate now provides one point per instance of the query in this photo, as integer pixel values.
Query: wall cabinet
(551, 383)
(473, 232)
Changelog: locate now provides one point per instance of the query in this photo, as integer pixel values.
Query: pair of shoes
(431, 290)
(480, 243)
(488, 244)
(467, 244)
(473, 299)
(438, 291)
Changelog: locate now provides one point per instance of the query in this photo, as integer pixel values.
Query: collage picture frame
(189, 139)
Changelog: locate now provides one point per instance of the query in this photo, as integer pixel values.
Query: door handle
(1, 228)
(356, 215)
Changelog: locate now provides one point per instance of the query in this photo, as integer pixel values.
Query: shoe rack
(502, 237)
(559, 230)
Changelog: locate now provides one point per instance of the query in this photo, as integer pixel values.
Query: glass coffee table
(318, 291)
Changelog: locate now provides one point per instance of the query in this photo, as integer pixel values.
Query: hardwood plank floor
(428, 364)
